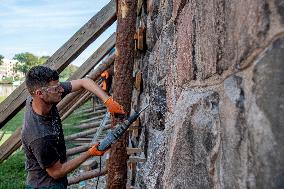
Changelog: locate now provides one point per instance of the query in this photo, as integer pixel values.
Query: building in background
(7, 69)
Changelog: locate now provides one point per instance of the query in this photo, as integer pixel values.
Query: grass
(12, 172)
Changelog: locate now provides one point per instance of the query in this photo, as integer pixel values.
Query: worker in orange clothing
(42, 134)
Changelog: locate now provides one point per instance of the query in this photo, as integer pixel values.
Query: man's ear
(38, 92)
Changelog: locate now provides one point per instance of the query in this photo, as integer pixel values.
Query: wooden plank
(94, 74)
(97, 112)
(86, 175)
(131, 128)
(95, 118)
(96, 57)
(84, 37)
(87, 110)
(133, 150)
(85, 133)
(136, 159)
(83, 140)
(10, 145)
(81, 101)
(84, 69)
(90, 125)
(62, 57)
(68, 103)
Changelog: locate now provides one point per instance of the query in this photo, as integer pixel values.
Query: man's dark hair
(40, 76)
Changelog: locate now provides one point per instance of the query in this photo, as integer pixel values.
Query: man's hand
(113, 107)
(93, 151)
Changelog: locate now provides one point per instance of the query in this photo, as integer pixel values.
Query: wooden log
(122, 90)
(76, 150)
(90, 125)
(10, 145)
(84, 70)
(84, 98)
(87, 110)
(84, 140)
(89, 114)
(94, 74)
(68, 103)
(136, 159)
(62, 57)
(131, 151)
(85, 133)
(96, 118)
(80, 143)
(86, 175)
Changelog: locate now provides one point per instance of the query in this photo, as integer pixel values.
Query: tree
(122, 90)
(1, 59)
(27, 60)
(68, 71)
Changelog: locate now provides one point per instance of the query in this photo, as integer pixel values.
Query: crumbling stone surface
(213, 75)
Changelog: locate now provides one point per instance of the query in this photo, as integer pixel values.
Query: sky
(41, 27)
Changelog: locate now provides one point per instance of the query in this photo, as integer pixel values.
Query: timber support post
(122, 87)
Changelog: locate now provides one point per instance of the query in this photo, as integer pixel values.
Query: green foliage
(1, 59)
(2, 98)
(12, 171)
(6, 80)
(68, 71)
(27, 60)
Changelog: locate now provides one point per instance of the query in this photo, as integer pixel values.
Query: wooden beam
(10, 145)
(136, 159)
(62, 57)
(85, 133)
(95, 118)
(90, 125)
(94, 74)
(122, 88)
(96, 57)
(86, 175)
(133, 150)
(84, 98)
(90, 114)
(84, 37)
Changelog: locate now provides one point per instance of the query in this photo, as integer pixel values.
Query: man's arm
(58, 170)
(89, 85)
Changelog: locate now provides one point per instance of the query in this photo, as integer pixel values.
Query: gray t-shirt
(43, 143)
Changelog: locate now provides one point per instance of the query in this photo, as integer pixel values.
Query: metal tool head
(143, 109)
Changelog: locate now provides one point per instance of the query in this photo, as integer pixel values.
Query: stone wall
(213, 74)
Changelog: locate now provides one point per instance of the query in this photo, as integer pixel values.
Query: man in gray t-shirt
(42, 134)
